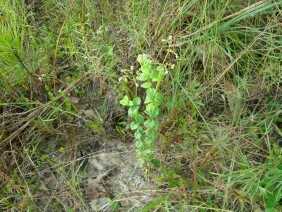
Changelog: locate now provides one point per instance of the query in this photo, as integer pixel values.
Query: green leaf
(150, 142)
(142, 138)
(161, 74)
(151, 123)
(155, 204)
(156, 162)
(137, 101)
(154, 75)
(159, 98)
(146, 85)
(133, 110)
(143, 77)
(139, 119)
(147, 152)
(150, 94)
(131, 104)
(172, 183)
(138, 135)
(152, 133)
(142, 161)
(114, 205)
(134, 125)
(148, 100)
(140, 129)
(153, 113)
(146, 67)
(139, 144)
(125, 101)
(151, 106)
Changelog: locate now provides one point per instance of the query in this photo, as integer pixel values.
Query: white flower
(142, 57)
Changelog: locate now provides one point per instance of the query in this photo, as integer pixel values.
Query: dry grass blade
(41, 109)
(219, 76)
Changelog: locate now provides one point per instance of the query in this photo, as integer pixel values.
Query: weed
(146, 127)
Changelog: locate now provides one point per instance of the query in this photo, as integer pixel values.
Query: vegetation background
(220, 132)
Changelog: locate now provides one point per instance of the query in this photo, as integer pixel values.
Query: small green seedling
(145, 118)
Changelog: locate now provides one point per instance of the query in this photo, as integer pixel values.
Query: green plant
(145, 123)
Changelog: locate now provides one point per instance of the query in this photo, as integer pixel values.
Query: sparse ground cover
(66, 142)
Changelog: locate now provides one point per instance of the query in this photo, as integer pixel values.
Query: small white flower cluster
(173, 52)
(125, 74)
(128, 75)
(171, 66)
(41, 77)
(142, 57)
(123, 78)
(101, 30)
(169, 42)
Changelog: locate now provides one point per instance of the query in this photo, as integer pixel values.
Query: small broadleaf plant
(145, 113)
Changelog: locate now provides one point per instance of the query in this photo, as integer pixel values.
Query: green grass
(220, 132)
